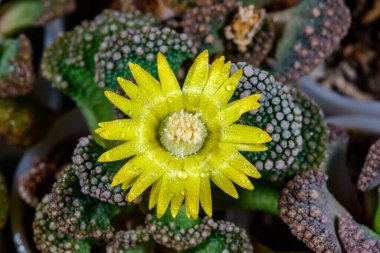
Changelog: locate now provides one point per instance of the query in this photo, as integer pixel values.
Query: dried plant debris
(140, 47)
(47, 237)
(313, 30)
(244, 26)
(295, 123)
(30, 184)
(353, 69)
(3, 201)
(204, 22)
(23, 121)
(96, 178)
(77, 215)
(310, 211)
(137, 240)
(16, 67)
(55, 8)
(258, 50)
(357, 238)
(369, 177)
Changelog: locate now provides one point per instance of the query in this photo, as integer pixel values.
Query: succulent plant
(20, 14)
(19, 119)
(295, 123)
(157, 136)
(72, 218)
(16, 67)
(3, 201)
(83, 61)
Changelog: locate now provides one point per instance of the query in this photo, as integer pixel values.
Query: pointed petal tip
(159, 215)
(120, 79)
(114, 183)
(160, 56)
(205, 52)
(108, 92)
(131, 196)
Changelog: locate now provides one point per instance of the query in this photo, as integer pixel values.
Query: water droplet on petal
(229, 87)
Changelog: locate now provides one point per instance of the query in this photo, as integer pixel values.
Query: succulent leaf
(131, 241)
(47, 237)
(95, 178)
(77, 215)
(313, 30)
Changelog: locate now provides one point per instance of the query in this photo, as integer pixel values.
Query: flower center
(182, 133)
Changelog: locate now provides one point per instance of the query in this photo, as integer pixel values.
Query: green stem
(90, 99)
(263, 198)
(376, 220)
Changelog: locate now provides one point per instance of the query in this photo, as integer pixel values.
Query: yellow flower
(180, 139)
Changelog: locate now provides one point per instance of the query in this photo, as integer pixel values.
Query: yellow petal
(154, 193)
(128, 172)
(205, 195)
(147, 178)
(128, 184)
(225, 92)
(151, 88)
(237, 160)
(123, 129)
(219, 73)
(237, 133)
(234, 110)
(132, 90)
(195, 81)
(223, 183)
(129, 107)
(237, 177)
(170, 183)
(170, 86)
(177, 200)
(120, 152)
(250, 147)
(192, 185)
(218, 160)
